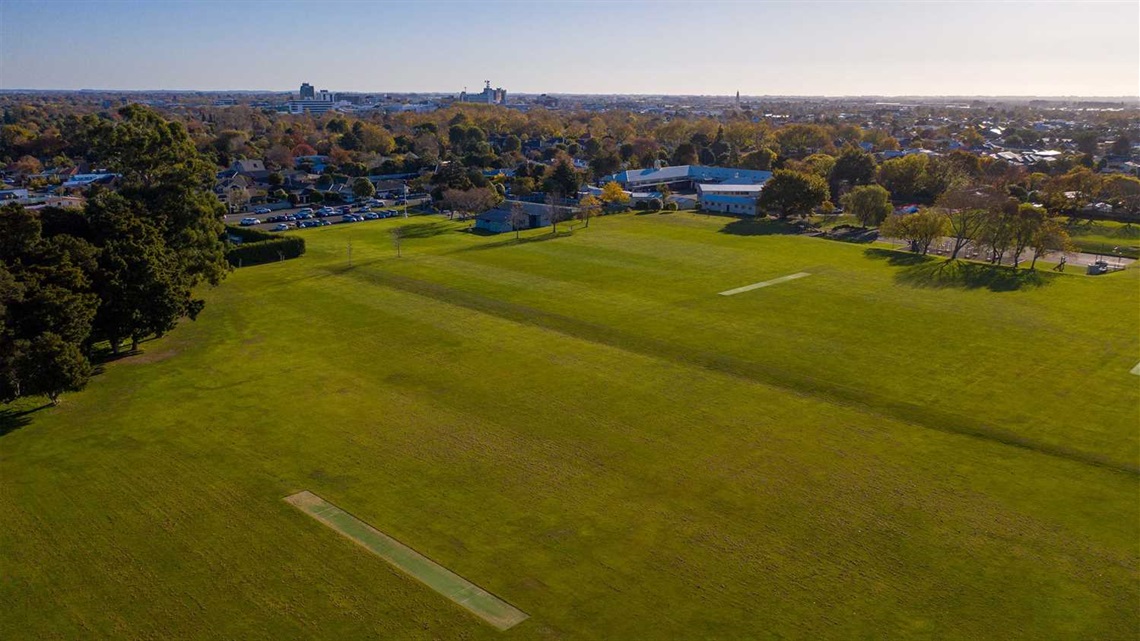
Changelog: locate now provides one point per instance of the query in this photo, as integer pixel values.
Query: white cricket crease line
(1136, 370)
(774, 281)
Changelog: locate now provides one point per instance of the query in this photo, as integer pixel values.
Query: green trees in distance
(793, 193)
(363, 188)
(871, 204)
(853, 167)
(122, 269)
(919, 229)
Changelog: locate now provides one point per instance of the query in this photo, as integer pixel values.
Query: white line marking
(1136, 370)
(774, 281)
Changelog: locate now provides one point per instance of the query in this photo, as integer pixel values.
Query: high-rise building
(488, 96)
(307, 92)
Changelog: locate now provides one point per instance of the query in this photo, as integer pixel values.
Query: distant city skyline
(1061, 49)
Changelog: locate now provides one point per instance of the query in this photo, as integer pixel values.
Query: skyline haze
(718, 48)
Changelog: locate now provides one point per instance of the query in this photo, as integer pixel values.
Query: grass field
(581, 425)
(1105, 237)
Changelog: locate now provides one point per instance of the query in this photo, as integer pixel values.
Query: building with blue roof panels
(686, 177)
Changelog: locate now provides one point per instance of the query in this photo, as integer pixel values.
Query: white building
(728, 198)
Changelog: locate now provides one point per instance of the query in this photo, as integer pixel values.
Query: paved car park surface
(334, 218)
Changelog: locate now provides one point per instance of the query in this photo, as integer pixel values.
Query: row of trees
(122, 269)
(982, 217)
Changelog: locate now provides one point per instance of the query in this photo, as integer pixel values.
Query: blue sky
(585, 46)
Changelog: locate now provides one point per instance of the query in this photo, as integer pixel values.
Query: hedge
(259, 247)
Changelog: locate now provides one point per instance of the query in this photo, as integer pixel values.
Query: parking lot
(295, 217)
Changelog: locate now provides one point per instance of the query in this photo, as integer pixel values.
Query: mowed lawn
(581, 425)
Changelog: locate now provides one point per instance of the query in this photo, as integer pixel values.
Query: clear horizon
(816, 49)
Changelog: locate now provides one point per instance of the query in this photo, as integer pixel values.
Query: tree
(162, 171)
(966, 207)
(552, 198)
(793, 193)
(138, 287)
(904, 177)
(236, 197)
(1122, 146)
(685, 154)
(363, 188)
(519, 218)
(589, 207)
(800, 140)
(919, 229)
(50, 366)
(997, 232)
(28, 165)
(1049, 237)
(472, 201)
(1122, 192)
(760, 159)
(46, 306)
(871, 204)
(612, 194)
(853, 167)
(1026, 221)
(564, 179)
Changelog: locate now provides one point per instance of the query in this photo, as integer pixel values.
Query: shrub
(641, 205)
(258, 247)
(655, 204)
(670, 206)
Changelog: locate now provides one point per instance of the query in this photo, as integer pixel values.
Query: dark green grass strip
(913, 413)
(480, 602)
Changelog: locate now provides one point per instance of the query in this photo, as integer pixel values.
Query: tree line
(119, 270)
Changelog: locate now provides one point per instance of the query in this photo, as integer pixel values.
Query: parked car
(323, 223)
(348, 218)
(372, 216)
(262, 210)
(303, 216)
(279, 227)
(306, 210)
(345, 209)
(246, 222)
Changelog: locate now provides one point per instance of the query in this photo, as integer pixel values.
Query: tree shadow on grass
(507, 242)
(898, 258)
(423, 230)
(764, 227)
(14, 419)
(935, 273)
(852, 234)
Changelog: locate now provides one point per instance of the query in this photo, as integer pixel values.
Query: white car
(246, 222)
(262, 210)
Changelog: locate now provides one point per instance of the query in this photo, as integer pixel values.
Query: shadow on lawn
(424, 230)
(936, 273)
(507, 242)
(12, 420)
(763, 227)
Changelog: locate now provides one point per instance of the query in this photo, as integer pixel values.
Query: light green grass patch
(480, 602)
(774, 281)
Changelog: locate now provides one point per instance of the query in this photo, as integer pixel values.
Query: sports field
(582, 426)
